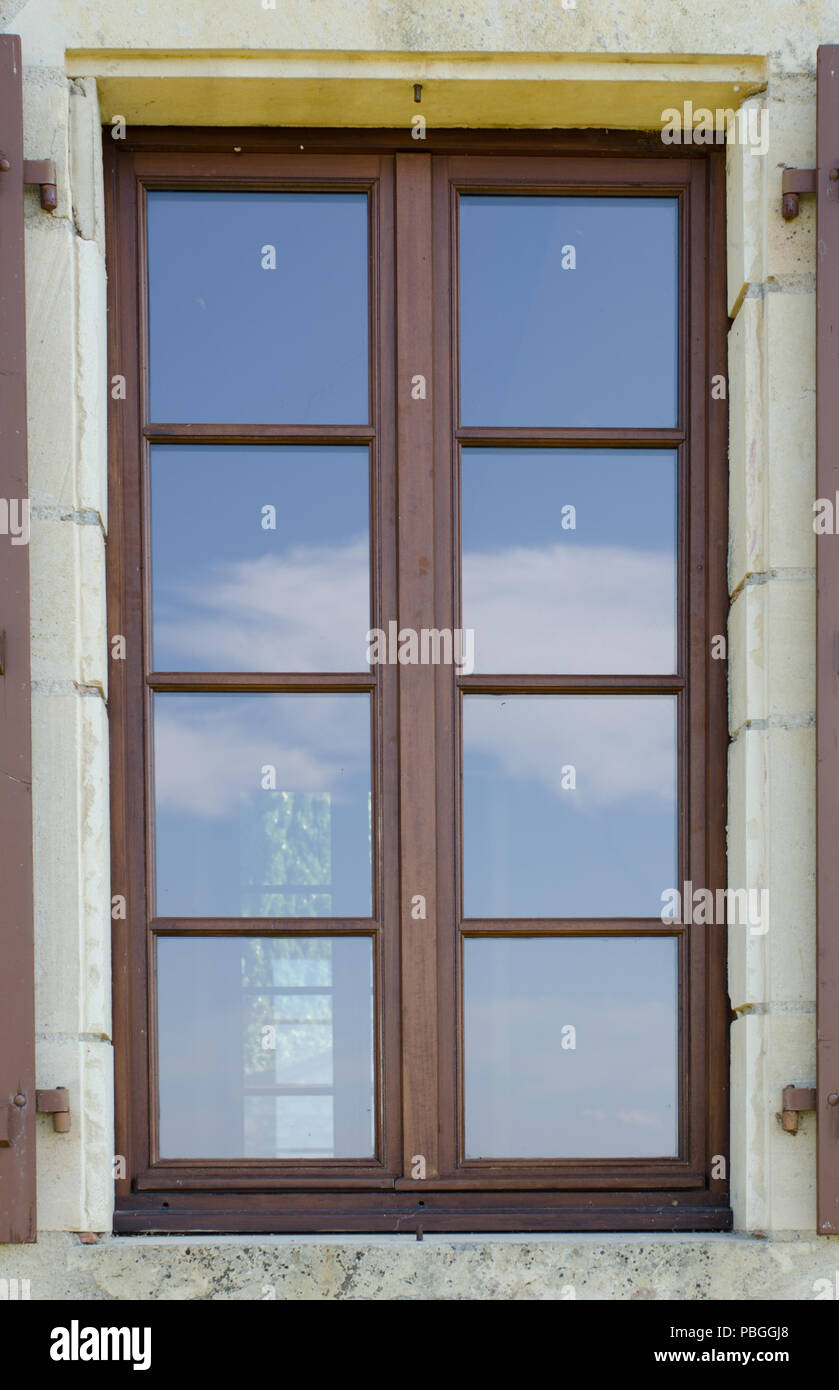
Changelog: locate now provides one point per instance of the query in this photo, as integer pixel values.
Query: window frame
(418, 195)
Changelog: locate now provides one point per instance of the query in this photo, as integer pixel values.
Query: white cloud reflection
(305, 610)
(554, 609)
(620, 746)
(210, 749)
(571, 609)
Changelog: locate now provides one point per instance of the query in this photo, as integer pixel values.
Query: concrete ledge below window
(503, 1267)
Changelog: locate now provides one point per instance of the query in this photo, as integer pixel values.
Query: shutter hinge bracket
(40, 171)
(795, 183)
(796, 1099)
(57, 1104)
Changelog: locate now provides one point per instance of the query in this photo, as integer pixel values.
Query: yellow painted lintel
(492, 91)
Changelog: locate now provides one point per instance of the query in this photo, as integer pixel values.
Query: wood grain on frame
(414, 444)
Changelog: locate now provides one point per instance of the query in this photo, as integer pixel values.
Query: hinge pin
(796, 1099)
(57, 1104)
(42, 171)
(793, 183)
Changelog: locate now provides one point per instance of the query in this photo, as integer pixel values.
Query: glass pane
(569, 805)
(571, 1047)
(569, 559)
(569, 311)
(258, 307)
(262, 805)
(260, 558)
(265, 1047)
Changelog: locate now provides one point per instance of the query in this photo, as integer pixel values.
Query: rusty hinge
(796, 1099)
(793, 183)
(41, 171)
(57, 1104)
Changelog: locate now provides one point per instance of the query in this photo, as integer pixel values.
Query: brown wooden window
(417, 549)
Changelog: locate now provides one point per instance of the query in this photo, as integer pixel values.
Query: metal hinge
(794, 183)
(796, 1099)
(57, 1104)
(40, 171)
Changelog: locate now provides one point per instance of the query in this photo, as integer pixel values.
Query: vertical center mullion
(416, 599)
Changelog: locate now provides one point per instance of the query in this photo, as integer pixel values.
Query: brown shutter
(17, 969)
(827, 640)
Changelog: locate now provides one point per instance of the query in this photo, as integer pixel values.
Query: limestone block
(57, 857)
(773, 1173)
(54, 588)
(771, 651)
(746, 449)
(86, 162)
(745, 179)
(45, 132)
(95, 886)
(92, 378)
(51, 360)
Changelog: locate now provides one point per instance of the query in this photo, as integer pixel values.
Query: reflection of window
(241, 830)
(394, 944)
(289, 1025)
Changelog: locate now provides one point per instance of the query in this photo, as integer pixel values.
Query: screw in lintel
(417, 91)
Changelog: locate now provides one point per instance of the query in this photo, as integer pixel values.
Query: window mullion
(416, 597)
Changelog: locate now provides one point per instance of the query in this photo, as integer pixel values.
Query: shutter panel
(827, 640)
(17, 968)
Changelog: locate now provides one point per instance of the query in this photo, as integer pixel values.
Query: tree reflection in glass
(269, 1051)
(263, 805)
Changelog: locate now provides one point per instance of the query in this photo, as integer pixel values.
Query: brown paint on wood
(827, 626)
(415, 461)
(17, 1014)
(417, 732)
